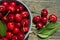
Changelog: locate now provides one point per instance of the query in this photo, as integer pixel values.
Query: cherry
(11, 17)
(53, 18)
(19, 8)
(10, 25)
(25, 29)
(18, 17)
(1, 15)
(25, 22)
(12, 3)
(39, 25)
(25, 14)
(9, 35)
(44, 13)
(44, 20)
(21, 36)
(36, 19)
(16, 30)
(4, 39)
(18, 25)
(14, 37)
(11, 8)
(5, 3)
(5, 19)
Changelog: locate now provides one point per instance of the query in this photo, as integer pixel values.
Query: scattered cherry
(5, 3)
(4, 39)
(14, 37)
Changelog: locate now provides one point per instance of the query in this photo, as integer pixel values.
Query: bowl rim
(30, 19)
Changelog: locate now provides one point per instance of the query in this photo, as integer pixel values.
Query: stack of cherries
(16, 17)
(41, 21)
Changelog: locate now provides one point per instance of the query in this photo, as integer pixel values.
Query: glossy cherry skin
(21, 36)
(11, 8)
(18, 17)
(12, 4)
(11, 17)
(5, 3)
(25, 22)
(36, 19)
(44, 20)
(19, 8)
(44, 12)
(2, 8)
(14, 37)
(39, 25)
(4, 39)
(25, 29)
(10, 25)
(5, 19)
(16, 30)
(18, 25)
(53, 18)
(9, 35)
(25, 14)
(1, 15)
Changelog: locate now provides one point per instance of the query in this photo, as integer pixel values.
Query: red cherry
(53, 18)
(10, 25)
(18, 17)
(5, 19)
(4, 39)
(36, 19)
(14, 37)
(11, 17)
(16, 30)
(25, 29)
(5, 3)
(11, 8)
(44, 13)
(20, 8)
(25, 22)
(39, 25)
(9, 35)
(12, 3)
(44, 20)
(2, 8)
(21, 36)
(1, 15)
(25, 14)
(18, 25)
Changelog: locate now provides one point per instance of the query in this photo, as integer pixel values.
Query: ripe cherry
(44, 20)
(5, 19)
(4, 39)
(18, 17)
(16, 30)
(9, 35)
(19, 8)
(5, 3)
(10, 26)
(53, 18)
(25, 22)
(1, 15)
(44, 12)
(36, 19)
(13, 4)
(11, 17)
(14, 37)
(18, 25)
(39, 25)
(25, 14)
(25, 29)
(21, 36)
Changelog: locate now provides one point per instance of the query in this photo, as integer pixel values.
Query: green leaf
(3, 28)
(48, 30)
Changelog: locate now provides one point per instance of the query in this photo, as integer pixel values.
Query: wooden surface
(36, 6)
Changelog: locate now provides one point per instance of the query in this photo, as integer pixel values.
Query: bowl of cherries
(16, 16)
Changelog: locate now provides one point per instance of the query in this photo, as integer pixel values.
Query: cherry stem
(1, 9)
(7, 13)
